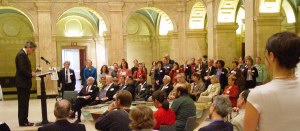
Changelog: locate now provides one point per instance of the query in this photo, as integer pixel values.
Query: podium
(43, 100)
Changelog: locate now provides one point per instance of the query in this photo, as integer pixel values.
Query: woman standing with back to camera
(280, 97)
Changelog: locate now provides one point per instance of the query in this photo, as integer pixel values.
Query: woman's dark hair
(245, 94)
(177, 65)
(126, 64)
(161, 63)
(235, 62)
(106, 72)
(197, 75)
(154, 63)
(221, 62)
(286, 49)
(161, 97)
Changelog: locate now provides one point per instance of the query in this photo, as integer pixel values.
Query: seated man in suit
(110, 90)
(143, 90)
(61, 112)
(219, 109)
(67, 78)
(127, 84)
(167, 87)
(85, 97)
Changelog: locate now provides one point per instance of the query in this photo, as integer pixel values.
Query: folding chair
(190, 123)
(167, 127)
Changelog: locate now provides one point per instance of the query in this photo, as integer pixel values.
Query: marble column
(267, 25)
(250, 28)
(44, 42)
(211, 20)
(116, 50)
(181, 43)
(226, 42)
(196, 43)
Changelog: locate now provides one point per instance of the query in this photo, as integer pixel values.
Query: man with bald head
(61, 112)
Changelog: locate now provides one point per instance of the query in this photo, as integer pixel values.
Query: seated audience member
(212, 90)
(141, 118)
(231, 91)
(181, 79)
(167, 87)
(275, 106)
(219, 109)
(183, 106)
(102, 92)
(107, 93)
(113, 120)
(143, 90)
(163, 115)
(238, 121)
(85, 97)
(129, 86)
(172, 94)
(61, 112)
(197, 86)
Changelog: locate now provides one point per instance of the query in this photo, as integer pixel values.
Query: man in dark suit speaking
(23, 81)
(61, 111)
(67, 78)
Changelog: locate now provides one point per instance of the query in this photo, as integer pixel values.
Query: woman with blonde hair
(141, 118)
(212, 90)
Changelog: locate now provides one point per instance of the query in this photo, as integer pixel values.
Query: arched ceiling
(158, 18)
(150, 14)
(90, 16)
(8, 9)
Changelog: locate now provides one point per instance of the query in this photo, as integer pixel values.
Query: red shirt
(164, 117)
(232, 93)
(174, 73)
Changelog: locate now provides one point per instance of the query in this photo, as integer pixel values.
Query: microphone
(47, 62)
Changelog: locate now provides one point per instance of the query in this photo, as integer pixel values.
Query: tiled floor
(9, 115)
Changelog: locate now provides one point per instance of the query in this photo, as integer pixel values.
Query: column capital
(269, 19)
(43, 6)
(180, 7)
(196, 33)
(116, 6)
(226, 27)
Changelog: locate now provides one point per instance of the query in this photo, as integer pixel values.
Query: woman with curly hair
(141, 118)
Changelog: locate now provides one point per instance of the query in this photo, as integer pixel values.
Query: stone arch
(99, 14)
(289, 11)
(227, 11)
(28, 16)
(197, 16)
(152, 8)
